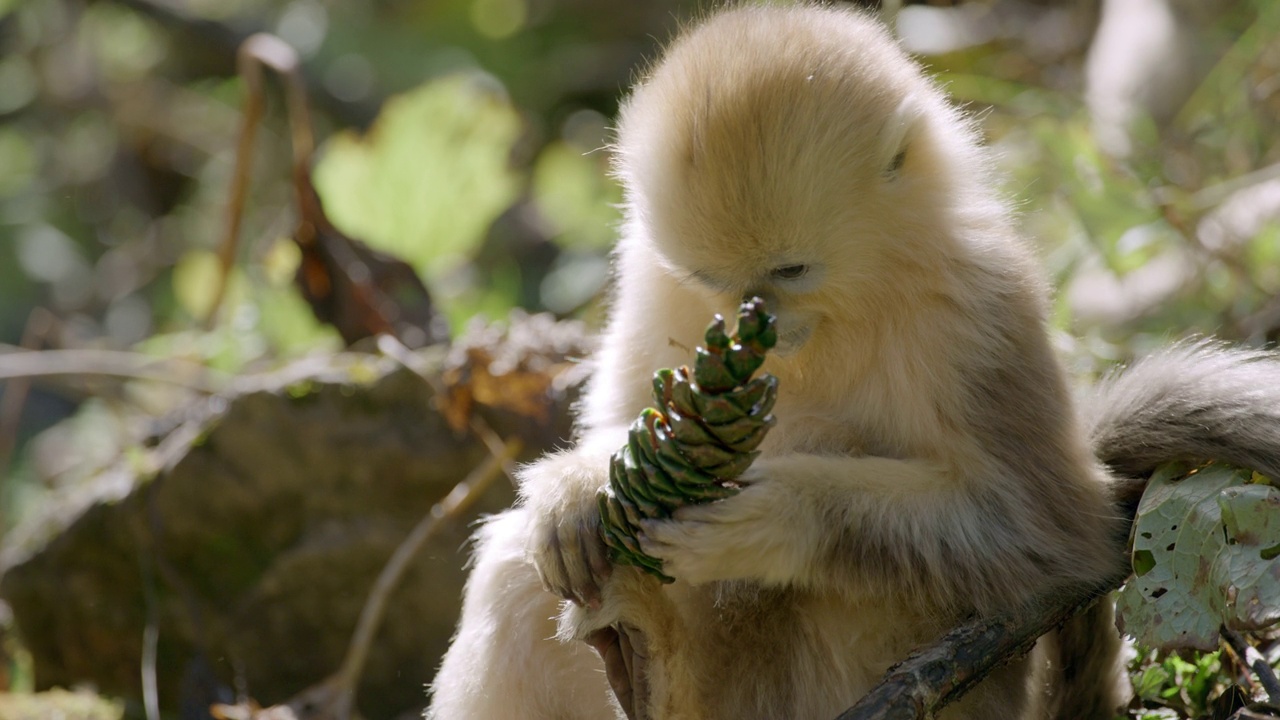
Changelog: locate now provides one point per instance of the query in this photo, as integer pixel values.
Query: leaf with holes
(1206, 552)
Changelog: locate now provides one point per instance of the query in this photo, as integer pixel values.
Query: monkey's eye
(789, 272)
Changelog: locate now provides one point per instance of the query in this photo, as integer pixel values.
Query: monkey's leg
(1093, 681)
(1009, 693)
(505, 661)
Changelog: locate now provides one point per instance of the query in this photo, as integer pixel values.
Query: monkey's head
(800, 157)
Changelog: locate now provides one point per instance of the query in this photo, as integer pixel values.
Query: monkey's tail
(1195, 400)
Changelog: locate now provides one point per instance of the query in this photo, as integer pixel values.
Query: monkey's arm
(870, 523)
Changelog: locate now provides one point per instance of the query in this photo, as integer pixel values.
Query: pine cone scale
(702, 434)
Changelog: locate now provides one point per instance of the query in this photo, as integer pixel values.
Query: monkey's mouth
(790, 341)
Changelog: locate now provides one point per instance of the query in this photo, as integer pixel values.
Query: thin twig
(463, 496)
(334, 698)
(243, 170)
(492, 441)
(150, 633)
(150, 691)
(162, 458)
(1255, 661)
(391, 346)
(259, 51)
(1250, 684)
(16, 362)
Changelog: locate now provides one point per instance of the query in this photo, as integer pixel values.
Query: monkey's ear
(896, 135)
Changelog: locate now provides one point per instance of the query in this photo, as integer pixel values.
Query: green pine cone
(702, 434)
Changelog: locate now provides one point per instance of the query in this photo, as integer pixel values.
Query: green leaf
(431, 175)
(1204, 542)
(1151, 682)
(195, 282)
(577, 196)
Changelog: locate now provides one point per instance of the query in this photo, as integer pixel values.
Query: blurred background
(467, 138)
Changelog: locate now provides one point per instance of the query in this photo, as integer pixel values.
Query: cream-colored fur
(927, 462)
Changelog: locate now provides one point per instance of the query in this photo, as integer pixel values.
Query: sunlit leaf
(429, 177)
(577, 196)
(288, 325)
(195, 280)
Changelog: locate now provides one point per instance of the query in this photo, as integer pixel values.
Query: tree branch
(938, 674)
(16, 362)
(1250, 655)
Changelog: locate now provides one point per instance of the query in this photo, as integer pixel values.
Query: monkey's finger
(637, 654)
(587, 585)
(624, 650)
(556, 578)
(706, 512)
(664, 534)
(660, 550)
(650, 545)
(576, 577)
(597, 558)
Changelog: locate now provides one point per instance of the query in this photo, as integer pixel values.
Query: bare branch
(259, 51)
(18, 363)
(334, 697)
(1250, 655)
(940, 673)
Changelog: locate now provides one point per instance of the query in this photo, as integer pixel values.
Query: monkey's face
(807, 178)
(791, 291)
(812, 220)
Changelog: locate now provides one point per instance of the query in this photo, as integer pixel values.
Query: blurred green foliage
(118, 122)
(427, 181)
(1173, 686)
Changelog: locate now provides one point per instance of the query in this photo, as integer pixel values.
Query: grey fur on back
(1195, 400)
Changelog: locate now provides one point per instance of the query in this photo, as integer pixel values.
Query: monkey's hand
(565, 544)
(761, 533)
